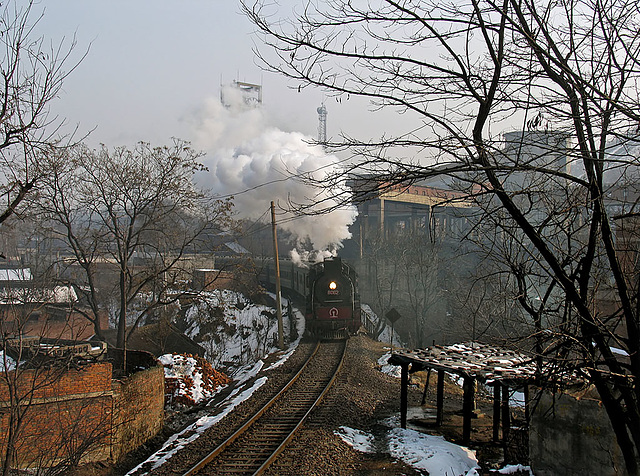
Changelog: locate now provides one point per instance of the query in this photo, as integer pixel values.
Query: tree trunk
(122, 316)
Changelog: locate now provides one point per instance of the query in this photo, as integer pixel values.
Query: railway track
(254, 446)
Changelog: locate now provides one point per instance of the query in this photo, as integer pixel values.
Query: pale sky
(152, 64)
(154, 70)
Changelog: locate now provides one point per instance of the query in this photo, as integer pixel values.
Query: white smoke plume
(257, 164)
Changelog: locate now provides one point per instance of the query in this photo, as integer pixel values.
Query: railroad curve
(254, 446)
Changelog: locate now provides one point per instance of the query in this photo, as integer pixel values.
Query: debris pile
(190, 379)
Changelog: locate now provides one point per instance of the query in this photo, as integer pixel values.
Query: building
(52, 312)
(240, 94)
(402, 209)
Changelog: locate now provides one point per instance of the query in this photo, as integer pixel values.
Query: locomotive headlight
(333, 285)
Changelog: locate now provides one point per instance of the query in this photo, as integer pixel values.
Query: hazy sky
(152, 64)
(154, 70)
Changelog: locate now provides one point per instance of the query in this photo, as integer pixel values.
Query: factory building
(405, 209)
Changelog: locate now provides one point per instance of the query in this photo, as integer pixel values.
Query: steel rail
(249, 423)
(287, 440)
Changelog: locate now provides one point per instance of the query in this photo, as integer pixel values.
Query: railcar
(333, 302)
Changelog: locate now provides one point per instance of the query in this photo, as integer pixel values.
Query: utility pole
(278, 292)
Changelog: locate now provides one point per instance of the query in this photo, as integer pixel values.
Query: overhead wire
(262, 226)
(284, 179)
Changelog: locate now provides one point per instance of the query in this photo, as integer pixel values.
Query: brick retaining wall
(67, 412)
(138, 409)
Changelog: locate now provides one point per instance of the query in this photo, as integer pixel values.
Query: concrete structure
(406, 208)
(571, 435)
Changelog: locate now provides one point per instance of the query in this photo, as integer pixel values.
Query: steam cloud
(255, 163)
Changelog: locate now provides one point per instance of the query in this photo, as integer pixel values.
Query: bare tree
(135, 211)
(421, 265)
(31, 372)
(401, 271)
(466, 68)
(383, 277)
(31, 76)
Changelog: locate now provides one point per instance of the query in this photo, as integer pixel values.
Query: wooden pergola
(501, 368)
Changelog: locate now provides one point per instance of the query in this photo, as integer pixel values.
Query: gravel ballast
(363, 398)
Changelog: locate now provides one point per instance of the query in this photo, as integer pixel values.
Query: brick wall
(39, 384)
(65, 412)
(82, 411)
(138, 409)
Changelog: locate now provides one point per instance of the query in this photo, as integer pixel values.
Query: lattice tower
(322, 124)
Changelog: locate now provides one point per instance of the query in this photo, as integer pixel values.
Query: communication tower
(322, 124)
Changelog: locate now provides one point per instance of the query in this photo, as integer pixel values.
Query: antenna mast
(322, 124)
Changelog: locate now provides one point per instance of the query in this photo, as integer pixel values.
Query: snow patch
(515, 468)
(432, 453)
(359, 440)
(425, 452)
(386, 368)
(7, 364)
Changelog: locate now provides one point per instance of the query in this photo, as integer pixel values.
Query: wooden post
(527, 415)
(278, 289)
(467, 407)
(404, 394)
(440, 398)
(426, 388)
(382, 217)
(392, 323)
(496, 411)
(506, 414)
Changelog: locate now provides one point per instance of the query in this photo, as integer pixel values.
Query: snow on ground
(191, 379)
(357, 439)
(242, 392)
(385, 335)
(6, 362)
(246, 350)
(235, 331)
(514, 468)
(386, 368)
(421, 451)
(193, 431)
(432, 453)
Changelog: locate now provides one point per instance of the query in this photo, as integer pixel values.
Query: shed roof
(471, 359)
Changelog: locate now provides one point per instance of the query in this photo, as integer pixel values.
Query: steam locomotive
(333, 302)
(330, 290)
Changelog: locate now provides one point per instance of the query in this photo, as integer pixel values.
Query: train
(330, 290)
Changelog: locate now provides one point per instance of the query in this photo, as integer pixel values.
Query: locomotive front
(333, 308)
